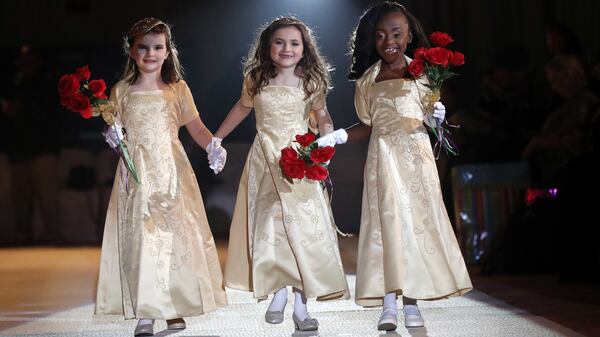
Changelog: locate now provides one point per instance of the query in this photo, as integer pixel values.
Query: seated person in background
(504, 119)
(565, 133)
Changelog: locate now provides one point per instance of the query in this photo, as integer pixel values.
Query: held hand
(439, 112)
(338, 136)
(217, 155)
(437, 117)
(217, 159)
(215, 142)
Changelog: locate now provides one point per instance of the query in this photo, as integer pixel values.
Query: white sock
(389, 302)
(300, 305)
(279, 300)
(145, 322)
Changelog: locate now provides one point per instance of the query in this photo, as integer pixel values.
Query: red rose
(316, 172)
(306, 139)
(420, 53)
(83, 73)
(293, 168)
(416, 67)
(440, 39)
(287, 154)
(87, 113)
(81, 104)
(66, 101)
(322, 155)
(68, 85)
(438, 56)
(457, 59)
(98, 87)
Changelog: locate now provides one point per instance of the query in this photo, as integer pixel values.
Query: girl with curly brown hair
(282, 233)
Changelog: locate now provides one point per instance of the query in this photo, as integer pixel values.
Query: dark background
(213, 37)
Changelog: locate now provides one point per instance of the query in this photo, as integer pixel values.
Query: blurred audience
(498, 128)
(565, 133)
(30, 108)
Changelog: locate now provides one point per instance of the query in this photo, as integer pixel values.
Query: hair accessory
(144, 26)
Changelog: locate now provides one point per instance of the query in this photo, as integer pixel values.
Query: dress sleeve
(318, 101)
(116, 98)
(187, 105)
(245, 99)
(361, 104)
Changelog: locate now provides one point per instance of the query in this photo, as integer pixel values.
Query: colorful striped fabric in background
(485, 196)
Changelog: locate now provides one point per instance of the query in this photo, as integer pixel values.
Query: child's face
(149, 52)
(391, 37)
(286, 47)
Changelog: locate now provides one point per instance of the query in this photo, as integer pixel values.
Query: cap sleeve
(318, 101)
(245, 97)
(187, 106)
(117, 96)
(361, 104)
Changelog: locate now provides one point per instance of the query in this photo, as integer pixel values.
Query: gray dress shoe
(175, 324)
(274, 317)
(388, 321)
(142, 330)
(309, 324)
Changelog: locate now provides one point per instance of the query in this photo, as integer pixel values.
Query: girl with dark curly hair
(406, 245)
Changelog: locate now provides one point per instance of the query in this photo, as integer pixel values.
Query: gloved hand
(113, 134)
(338, 136)
(217, 155)
(438, 115)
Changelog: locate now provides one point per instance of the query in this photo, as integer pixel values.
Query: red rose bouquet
(307, 160)
(88, 98)
(435, 62)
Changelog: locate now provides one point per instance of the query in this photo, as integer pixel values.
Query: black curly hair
(362, 42)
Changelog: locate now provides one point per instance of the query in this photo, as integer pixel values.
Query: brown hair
(171, 70)
(312, 68)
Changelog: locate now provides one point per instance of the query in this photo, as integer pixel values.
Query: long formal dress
(282, 233)
(406, 241)
(159, 258)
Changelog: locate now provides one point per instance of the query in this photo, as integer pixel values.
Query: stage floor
(50, 292)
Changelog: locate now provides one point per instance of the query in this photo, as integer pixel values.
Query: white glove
(217, 155)
(113, 134)
(438, 115)
(338, 136)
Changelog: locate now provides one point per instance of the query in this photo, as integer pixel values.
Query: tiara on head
(144, 26)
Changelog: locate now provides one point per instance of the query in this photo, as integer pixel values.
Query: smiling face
(149, 52)
(286, 47)
(392, 34)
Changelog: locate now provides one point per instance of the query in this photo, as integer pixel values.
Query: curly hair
(362, 41)
(312, 68)
(171, 70)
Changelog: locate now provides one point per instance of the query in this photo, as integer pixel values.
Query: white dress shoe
(412, 316)
(388, 321)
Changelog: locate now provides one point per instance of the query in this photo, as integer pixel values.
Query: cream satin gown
(282, 233)
(406, 241)
(158, 255)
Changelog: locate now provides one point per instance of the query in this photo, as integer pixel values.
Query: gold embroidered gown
(282, 234)
(406, 241)
(158, 255)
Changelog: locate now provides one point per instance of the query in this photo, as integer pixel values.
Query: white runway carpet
(475, 314)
